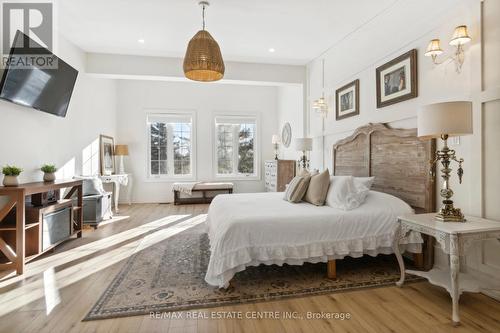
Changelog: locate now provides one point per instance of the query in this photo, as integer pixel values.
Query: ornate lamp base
(303, 161)
(448, 213)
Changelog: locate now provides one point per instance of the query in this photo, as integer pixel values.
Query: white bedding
(262, 228)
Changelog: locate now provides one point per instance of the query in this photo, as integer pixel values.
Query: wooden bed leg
(331, 269)
(418, 261)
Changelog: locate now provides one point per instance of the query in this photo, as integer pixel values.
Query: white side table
(117, 181)
(454, 238)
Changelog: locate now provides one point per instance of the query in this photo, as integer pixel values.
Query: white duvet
(262, 228)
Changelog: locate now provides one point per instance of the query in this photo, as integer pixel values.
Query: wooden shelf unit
(24, 233)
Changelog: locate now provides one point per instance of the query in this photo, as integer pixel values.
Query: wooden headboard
(397, 159)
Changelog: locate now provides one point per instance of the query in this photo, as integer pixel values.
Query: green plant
(11, 170)
(48, 168)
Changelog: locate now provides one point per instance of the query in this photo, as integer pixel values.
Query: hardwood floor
(58, 290)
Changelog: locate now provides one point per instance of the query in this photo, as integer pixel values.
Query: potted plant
(49, 172)
(11, 173)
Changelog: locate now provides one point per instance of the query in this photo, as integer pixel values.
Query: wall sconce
(320, 105)
(459, 38)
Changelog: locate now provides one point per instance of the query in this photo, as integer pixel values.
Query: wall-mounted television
(36, 78)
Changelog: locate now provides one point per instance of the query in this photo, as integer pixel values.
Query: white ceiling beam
(170, 69)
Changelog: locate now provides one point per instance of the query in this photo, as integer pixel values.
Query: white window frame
(171, 177)
(90, 158)
(257, 149)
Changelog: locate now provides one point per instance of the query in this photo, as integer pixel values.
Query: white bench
(203, 187)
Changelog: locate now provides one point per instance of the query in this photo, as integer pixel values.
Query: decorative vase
(10, 181)
(49, 177)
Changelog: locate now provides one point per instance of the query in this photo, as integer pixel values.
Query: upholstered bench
(198, 192)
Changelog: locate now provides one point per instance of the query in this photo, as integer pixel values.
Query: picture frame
(397, 80)
(107, 155)
(286, 135)
(347, 100)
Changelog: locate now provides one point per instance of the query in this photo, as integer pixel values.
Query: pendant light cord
(203, 16)
(323, 91)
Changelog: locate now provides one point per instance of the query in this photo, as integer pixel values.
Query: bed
(262, 228)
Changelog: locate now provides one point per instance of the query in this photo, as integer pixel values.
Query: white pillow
(345, 193)
(92, 185)
(366, 181)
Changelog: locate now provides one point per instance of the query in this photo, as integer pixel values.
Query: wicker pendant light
(203, 60)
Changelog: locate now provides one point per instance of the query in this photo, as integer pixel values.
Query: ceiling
(298, 30)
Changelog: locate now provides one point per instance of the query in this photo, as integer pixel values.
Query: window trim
(167, 113)
(257, 145)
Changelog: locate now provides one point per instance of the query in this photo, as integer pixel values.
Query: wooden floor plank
(83, 268)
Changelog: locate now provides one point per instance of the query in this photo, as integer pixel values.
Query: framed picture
(397, 80)
(347, 100)
(107, 152)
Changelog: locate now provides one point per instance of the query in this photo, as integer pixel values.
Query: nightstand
(454, 238)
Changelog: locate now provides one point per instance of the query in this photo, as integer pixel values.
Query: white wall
(135, 98)
(436, 83)
(29, 138)
(483, 259)
(357, 57)
(291, 110)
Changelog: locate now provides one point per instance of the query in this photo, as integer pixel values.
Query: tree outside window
(236, 146)
(170, 146)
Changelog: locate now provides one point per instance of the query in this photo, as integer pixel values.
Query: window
(236, 150)
(170, 146)
(90, 159)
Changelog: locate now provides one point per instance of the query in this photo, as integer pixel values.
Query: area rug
(169, 276)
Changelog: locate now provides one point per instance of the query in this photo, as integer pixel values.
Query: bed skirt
(222, 268)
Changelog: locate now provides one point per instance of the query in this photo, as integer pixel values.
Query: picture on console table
(107, 154)
(397, 80)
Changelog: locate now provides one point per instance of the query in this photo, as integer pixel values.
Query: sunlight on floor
(39, 266)
(32, 291)
(52, 297)
(156, 237)
(114, 219)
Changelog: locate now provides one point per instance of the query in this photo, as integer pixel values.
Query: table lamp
(276, 143)
(121, 150)
(443, 120)
(304, 145)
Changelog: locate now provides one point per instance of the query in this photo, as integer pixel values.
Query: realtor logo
(35, 19)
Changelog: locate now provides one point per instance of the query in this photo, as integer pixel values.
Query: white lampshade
(276, 139)
(460, 36)
(452, 118)
(434, 48)
(303, 144)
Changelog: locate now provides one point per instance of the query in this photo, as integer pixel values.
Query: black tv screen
(36, 78)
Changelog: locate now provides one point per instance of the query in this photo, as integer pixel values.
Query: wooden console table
(17, 199)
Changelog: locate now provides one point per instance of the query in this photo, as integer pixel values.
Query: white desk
(454, 238)
(117, 181)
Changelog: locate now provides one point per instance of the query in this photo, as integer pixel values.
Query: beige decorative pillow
(318, 188)
(303, 173)
(297, 188)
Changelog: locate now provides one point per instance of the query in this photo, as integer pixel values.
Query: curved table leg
(454, 272)
(117, 195)
(395, 247)
(129, 189)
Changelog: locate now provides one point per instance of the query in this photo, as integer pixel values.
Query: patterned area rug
(169, 276)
